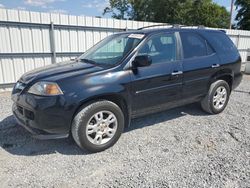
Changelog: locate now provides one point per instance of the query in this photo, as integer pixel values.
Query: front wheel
(98, 126)
(217, 98)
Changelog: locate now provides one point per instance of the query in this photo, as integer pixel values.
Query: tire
(96, 118)
(209, 103)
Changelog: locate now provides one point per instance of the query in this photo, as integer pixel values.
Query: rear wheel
(98, 126)
(217, 98)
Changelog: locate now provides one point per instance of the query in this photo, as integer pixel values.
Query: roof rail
(198, 27)
(157, 25)
(172, 26)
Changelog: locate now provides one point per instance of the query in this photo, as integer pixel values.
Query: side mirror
(142, 61)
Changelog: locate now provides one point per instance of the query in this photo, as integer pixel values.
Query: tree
(187, 12)
(207, 13)
(120, 9)
(243, 15)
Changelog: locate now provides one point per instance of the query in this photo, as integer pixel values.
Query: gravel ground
(183, 147)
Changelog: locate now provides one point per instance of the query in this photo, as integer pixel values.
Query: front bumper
(43, 117)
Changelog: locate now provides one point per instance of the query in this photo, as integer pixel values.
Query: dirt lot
(183, 147)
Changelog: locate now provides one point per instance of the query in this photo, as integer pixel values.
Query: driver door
(159, 85)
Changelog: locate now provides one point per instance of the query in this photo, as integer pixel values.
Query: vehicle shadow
(241, 91)
(16, 140)
(141, 122)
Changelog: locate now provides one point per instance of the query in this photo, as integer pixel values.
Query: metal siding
(15, 39)
(64, 19)
(5, 45)
(47, 61)
(73, 40)
(26, 40)
(58, 59)
(24, 16)
(45, 18)
(81, 20)
(123, 24)
(8, 70)
(58, 41)
(29, 64)
(89, 39)
(46, 40)
(3, 14)
(72, 20)
(39, 62)
(18, 65)
(97, 36)
(65, 40)
(35, 17)
(129, 24)
(81, 41)
(88, 21)
(1, 73)
(110, 23)
(37, 40)
(55, 18)
(12, 15)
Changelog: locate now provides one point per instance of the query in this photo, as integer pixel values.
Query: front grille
(26, 113)
(29, 114)
(20, 109)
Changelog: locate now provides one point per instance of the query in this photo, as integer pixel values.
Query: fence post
(52, 42)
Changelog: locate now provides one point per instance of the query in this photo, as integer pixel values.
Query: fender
(221, 73)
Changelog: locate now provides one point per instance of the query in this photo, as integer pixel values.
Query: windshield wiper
(88, 61)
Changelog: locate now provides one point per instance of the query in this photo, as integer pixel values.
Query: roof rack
(193, 26)
(172, 26)
(157, 25)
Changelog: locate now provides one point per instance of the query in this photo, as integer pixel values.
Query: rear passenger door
(199, 63)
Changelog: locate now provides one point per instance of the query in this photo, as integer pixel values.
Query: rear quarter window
(221, 42)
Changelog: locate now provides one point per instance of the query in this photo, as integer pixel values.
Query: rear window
(221, 42)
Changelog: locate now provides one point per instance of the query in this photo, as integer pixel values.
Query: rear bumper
(237, 80)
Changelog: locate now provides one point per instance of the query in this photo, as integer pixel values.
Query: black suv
(127, 75)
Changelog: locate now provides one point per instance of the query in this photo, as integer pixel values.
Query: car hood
(59, 69)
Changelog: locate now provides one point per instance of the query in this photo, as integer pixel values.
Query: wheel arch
(226, 75)
(115, 98)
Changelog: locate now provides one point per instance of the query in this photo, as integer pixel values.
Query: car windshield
(112, 49)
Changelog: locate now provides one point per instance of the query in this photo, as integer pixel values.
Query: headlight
(45, 89)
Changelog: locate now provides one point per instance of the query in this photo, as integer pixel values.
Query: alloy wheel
(101, 127)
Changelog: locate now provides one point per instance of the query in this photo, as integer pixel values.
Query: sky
(74, 7)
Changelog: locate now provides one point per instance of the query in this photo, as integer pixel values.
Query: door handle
(176, 73)
(215, 65)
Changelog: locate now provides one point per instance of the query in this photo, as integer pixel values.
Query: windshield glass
(112, 50)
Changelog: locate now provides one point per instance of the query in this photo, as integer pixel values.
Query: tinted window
(193, 45)
(161, 48)
(209, 49)
(221, 42)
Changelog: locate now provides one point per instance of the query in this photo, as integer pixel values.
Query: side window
(161, 48)
(194, 45)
